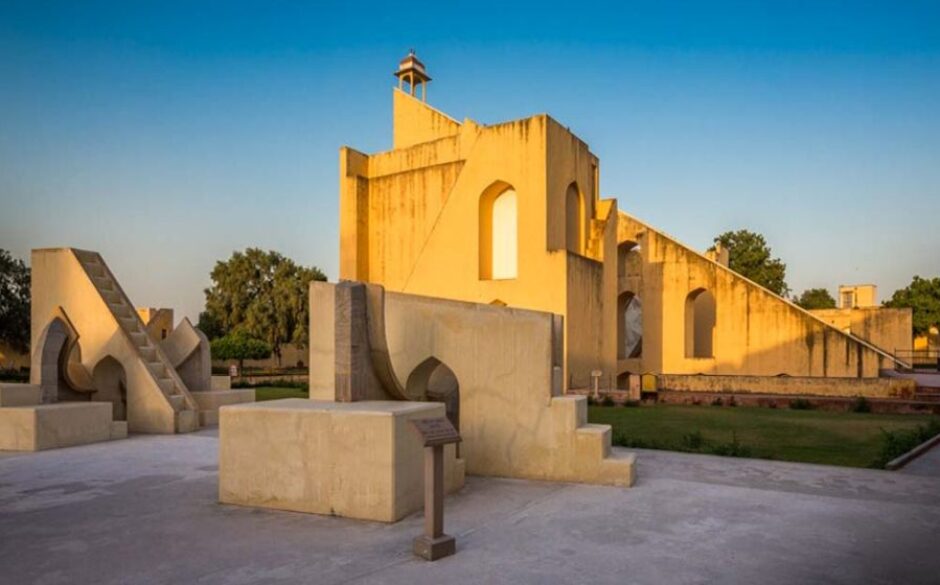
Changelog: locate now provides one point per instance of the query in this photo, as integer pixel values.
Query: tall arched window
(574, 219)
(499, 226)
(629, 326)
(699, 324)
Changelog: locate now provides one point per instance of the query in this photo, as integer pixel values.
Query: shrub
(591, 401)
(861, 405)
(631, 403)
(732, 402)
(801, 404)
(607, 400)
(718, 402)
(732, 449)
(897, 443)
(239, 347)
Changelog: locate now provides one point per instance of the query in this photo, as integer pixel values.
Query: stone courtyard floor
(144, 511)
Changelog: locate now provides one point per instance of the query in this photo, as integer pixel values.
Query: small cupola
(412, 72)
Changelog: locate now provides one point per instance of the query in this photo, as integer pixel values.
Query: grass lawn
(276, 393)
(832, 438)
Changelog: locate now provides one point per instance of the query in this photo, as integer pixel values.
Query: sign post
(434, 433)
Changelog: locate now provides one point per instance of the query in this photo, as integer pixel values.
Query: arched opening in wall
(629, 326)
(111, 385)
(499, 232)
(53, 360)
(436, 382)
(699, 324)
(628, 259)
(498, 303)
(623, 381)
(574, 219)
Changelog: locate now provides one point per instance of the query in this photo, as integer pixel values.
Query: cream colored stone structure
(377, 361)
(89, 344)
(511, 214)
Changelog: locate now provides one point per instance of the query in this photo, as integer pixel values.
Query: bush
(861, 405)
(732, 402)
(607, 400)
(718, 402)
(897, 443)
(591, 401)
(239, 347)
(631, 404)
(801, 404)
(732, 449)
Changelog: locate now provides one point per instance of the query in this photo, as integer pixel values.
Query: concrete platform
(144, 511)
(352, 459)
(52, 426)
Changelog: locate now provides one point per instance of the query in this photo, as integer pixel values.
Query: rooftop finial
(412, 71)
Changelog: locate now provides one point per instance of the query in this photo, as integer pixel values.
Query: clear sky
(166, 135)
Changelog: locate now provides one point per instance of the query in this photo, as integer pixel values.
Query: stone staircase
(162, 374)
(590, 457)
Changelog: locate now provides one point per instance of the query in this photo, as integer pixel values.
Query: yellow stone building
(511, 214)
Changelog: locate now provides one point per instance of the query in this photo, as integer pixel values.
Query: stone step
(593, 441)
(177, 401)
(187, 421)
(217, 398)
(209, 418)
(570, 411)
(118, 429)
(19, 394)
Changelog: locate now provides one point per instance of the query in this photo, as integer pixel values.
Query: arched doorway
(111, 386)
(438, 383)
(499, 232)
(699, 324)
(629, 326)
(53, 359)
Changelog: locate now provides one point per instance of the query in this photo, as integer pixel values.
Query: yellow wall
(889, 329)
(410, 219)
(756, 331)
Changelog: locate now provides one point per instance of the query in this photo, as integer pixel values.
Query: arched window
(574, 219)
(629, 326)
(699, 324)
(499, 226)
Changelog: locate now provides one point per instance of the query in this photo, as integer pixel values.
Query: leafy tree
(241, 347)
(816, 298)
(923, 296)
(210, 325)
(260, 294)
(749, 256)
(14, 302)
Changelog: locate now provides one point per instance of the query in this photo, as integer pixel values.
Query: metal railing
(919, 359)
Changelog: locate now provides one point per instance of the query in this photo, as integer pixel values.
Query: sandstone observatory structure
(98, 370)
(378, 361)
(512, 214)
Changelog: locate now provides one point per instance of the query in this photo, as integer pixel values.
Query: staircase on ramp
(162, 373)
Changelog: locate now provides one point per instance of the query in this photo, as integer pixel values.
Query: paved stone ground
(927, 464)
(144, 511)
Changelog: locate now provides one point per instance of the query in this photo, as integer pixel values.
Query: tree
(14, 302)
(241, 347)
(923, 296)
(816, 298)
(749, 256)
(262, 295)
(210, 325)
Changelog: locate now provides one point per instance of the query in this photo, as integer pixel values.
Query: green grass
(832, 438)
(276, 393)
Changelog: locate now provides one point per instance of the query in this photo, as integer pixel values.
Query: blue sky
(166, 135)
